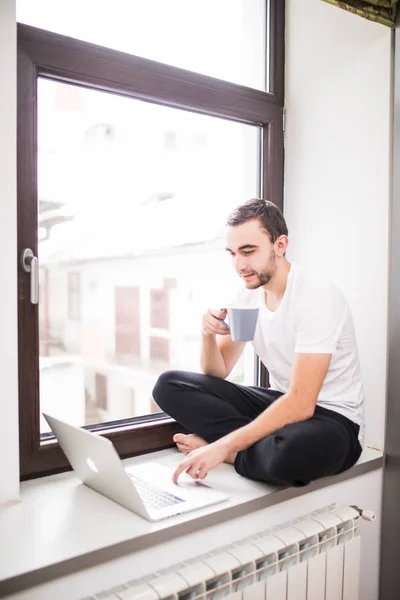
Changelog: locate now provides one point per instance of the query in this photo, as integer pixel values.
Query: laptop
(146, 489)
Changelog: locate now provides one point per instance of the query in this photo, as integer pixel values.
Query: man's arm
(308, 374)
(219, 353)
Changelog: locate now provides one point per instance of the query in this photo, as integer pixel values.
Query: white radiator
(315, 557)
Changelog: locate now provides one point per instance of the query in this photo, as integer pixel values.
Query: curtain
(381, 11)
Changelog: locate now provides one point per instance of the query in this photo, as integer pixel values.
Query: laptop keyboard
(152, 496)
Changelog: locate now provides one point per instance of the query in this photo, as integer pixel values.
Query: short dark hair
(269, 215)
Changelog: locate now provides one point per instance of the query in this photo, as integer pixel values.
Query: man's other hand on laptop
(200, 461)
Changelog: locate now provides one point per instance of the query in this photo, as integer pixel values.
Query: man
(309, 423)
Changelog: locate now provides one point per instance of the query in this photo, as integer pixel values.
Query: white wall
(338, 91)
(9, 459)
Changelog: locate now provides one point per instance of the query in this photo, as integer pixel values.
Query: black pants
(296, 454)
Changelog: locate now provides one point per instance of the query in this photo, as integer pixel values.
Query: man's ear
(281, 245)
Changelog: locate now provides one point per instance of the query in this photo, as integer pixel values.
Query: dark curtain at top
(381, 11)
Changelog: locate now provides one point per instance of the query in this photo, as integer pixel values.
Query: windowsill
(71, 527)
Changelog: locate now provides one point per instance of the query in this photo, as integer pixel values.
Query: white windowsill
(61, 526)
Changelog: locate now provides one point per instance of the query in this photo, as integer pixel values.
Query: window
(101, 391)
(159, 309)
(132, 158)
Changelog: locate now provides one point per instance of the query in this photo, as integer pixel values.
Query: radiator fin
(351, 571)
(276, 586)
(334, 573)
(316, 576)
(297, 582)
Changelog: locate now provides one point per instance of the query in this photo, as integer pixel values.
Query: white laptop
(145, 489)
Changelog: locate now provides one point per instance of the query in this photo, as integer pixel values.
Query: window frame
(46, 54)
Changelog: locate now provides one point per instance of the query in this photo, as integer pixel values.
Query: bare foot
(187, 443)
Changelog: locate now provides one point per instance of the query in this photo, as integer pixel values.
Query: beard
(264, 276)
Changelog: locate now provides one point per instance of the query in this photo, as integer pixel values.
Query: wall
(9, 461)
(338, 99)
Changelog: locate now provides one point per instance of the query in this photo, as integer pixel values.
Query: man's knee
(168, 384)
(274, 460)
(300, 458)
(162, 391)
(285, 468)
(297, 459)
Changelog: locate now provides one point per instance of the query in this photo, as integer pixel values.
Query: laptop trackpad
(161, 477)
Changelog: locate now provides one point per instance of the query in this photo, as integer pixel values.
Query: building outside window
(74, 295)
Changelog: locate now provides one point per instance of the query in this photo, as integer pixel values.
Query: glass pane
(133, 199)
(221, 38)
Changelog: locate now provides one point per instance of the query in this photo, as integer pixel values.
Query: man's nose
(241, 263)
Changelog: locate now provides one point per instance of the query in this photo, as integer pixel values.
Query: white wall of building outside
(89, 343)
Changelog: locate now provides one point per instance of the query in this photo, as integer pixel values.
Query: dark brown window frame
(45, 54)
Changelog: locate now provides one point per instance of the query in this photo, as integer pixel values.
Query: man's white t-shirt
(313, 317)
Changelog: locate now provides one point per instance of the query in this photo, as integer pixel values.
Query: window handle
(30, 264)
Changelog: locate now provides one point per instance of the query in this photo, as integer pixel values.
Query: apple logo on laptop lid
(92, 465)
